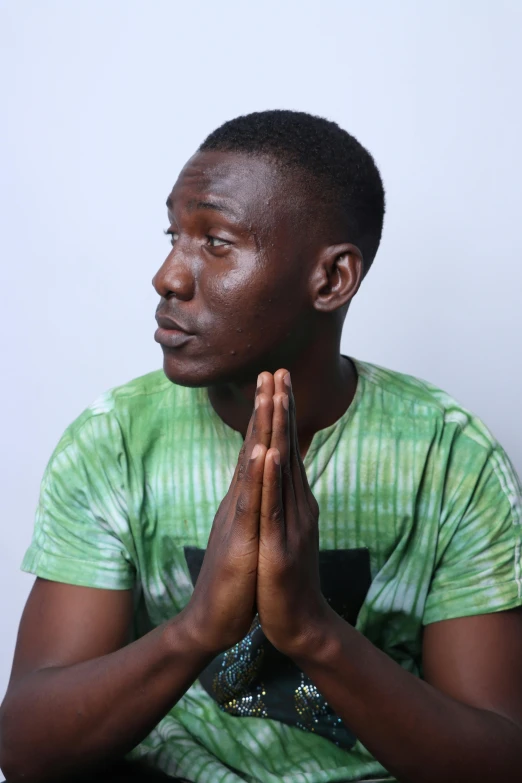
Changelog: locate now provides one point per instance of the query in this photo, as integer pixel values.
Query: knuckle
(248, 478)
(275, 514)
(262, 400)
(242, 506)
(243, 468)
(241, 462)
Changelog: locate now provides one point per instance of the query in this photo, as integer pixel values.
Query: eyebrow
(216, 206)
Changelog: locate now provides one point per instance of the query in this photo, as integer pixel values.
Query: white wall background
(101, 103)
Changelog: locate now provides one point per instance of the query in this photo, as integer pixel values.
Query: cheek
(246, 309)
(244, 294)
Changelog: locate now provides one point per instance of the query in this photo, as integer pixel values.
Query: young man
(356, 604)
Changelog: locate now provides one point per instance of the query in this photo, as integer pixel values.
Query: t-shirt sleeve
(81, 533)
(478, 560)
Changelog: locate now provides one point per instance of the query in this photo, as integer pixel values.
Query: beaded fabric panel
(253, 679)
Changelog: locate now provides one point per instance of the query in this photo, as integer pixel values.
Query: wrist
(183, 635)
(318, 641)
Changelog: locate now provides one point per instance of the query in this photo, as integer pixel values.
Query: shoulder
(460, 445)
(419, 399)
(131, 413)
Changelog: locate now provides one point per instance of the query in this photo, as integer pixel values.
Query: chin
(207, 371)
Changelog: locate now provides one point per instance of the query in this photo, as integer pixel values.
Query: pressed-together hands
(262, 554)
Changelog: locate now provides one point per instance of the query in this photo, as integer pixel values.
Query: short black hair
(342, 168)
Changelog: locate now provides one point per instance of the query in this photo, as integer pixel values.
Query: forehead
(250, 185)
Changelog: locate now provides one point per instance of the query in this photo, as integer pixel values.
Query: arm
(77, 694)
(80, 695)
(463, 723)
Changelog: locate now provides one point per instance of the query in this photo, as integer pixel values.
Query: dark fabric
(253, 679)
(124, 772)
(134, 772)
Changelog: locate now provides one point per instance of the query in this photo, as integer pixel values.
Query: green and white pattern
(406, 472)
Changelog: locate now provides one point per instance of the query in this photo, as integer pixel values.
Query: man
(352, 609)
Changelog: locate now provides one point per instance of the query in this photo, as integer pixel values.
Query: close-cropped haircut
(342, 172)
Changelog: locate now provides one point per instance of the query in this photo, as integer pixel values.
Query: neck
(323, 384)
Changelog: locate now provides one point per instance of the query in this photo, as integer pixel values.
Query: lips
(171, 334)
(166, 322)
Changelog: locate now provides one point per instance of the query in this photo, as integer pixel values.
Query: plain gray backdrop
(102, 101)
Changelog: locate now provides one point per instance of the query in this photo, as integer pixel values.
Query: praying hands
(262, 553)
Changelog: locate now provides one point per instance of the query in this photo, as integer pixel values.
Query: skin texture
(228, 278)
(463, 723)
(286, 284)
(79, 694)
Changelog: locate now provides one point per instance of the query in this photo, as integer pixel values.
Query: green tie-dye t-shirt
(406, 474)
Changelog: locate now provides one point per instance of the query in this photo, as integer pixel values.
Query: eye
(216, 241)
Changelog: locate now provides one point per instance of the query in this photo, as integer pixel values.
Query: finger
(272, 516)
(282, 442)
(281, 426)
(265, 385)
(262, 419)
(283, 385)
(249, 495)
(301, 486)
(292, 468)
(280, 439)
(260, 432)
(279, 381)
(295, 455)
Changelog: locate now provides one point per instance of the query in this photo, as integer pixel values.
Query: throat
(321, 399)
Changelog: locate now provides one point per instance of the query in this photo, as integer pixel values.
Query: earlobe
(337, 277)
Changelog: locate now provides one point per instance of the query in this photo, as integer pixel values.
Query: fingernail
(287, 379)
(256, 404)
(259, 381)
(255, 451)
(284, 400)
(276, 457)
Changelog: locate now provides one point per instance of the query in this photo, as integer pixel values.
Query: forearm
(64, 719)
(415, 731)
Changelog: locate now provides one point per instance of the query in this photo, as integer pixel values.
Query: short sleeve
(478, 563)
(81, 533)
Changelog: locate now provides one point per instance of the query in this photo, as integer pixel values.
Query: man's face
(236, 278)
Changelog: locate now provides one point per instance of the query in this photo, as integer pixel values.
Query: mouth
(170, 333)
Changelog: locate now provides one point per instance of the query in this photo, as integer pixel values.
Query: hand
(222, 607)
(291, 607)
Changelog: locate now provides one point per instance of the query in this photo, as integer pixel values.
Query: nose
(174, 278)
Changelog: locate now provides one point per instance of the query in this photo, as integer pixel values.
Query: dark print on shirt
(253, 679)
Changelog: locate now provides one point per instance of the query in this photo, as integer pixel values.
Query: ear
(337, 276)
